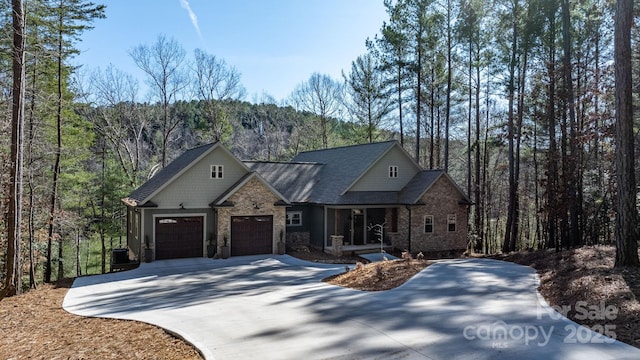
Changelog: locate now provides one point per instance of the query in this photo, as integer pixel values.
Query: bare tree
(13, 283)
(119, 119)
(626, 213)
(162, 62)
(321, 96)
(215, 82)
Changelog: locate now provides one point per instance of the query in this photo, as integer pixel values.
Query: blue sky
(275, 44)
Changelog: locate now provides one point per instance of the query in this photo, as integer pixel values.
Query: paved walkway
(276, 307)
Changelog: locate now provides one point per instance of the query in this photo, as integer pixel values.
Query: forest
(523, 102)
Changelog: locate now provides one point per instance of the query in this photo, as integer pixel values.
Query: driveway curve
(276, 307)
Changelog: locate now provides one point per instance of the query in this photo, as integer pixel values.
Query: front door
(358, 227)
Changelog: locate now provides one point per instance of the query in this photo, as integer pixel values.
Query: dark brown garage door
(179, 237)
(251, 235)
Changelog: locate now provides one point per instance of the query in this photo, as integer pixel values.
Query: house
(209, 201)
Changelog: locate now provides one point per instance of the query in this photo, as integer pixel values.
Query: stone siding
(253, 193)
(298, 238)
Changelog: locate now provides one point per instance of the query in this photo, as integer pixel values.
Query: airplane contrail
(192, 16)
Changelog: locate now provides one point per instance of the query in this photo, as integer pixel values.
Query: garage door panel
(179, 237)
(251, 235)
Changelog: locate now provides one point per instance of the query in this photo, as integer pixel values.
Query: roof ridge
(348, 146)
(284, 162)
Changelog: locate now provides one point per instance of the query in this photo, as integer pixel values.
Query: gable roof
(294, 180)
(422, 182)
(221, 200)
(342, 167)
(320, 177)
(142, 195)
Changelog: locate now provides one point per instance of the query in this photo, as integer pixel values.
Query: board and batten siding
(377, 177)
(195, 188)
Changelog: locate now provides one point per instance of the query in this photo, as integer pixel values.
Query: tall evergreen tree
(369, 100)
(13, 280)
(67, 20)
(626, 212)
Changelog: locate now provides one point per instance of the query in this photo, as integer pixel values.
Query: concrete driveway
(276, 307)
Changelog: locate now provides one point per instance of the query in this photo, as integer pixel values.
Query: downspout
(409, 246)
(324, 227)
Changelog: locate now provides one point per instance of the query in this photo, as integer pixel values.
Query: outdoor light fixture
(182, 206)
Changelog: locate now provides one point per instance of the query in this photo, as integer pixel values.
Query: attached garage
(251, 235)
(179, 237)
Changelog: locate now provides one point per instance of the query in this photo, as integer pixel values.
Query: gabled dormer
(391, 171)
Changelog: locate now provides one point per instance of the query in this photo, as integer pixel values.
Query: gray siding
(195, 188)
(377, 177)
(316, 225)
(306, 219)
(133, 233)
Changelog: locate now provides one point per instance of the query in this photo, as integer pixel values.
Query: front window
(294, 218)
(393, 171)
(217, 171)
(428, 224)
(451, 221)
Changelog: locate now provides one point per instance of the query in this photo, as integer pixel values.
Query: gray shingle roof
(295, 181)
(342, 166)
(169, 172)
(417, 186)
(320, 177)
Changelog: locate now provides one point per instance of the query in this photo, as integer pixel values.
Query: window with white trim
(294, 218)
(451, 222)
(217, 171)
(428, 224)
(393, 171)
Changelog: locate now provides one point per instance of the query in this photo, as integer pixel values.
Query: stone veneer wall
(298, 238)
(253, 192)
(440, 201)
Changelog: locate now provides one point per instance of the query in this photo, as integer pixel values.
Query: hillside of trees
(515, 98)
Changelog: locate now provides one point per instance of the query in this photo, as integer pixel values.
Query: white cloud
(192, 16)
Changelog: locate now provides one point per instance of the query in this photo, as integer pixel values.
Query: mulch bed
(583, 279)
(34, 326)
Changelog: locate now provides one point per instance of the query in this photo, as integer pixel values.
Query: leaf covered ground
(583, 282)
(34, 326)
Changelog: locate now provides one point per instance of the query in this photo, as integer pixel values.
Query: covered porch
(359, 228)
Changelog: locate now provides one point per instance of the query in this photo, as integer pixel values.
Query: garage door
(179, 237)
(251, 235)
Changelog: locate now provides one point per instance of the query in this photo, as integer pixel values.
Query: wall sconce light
(182, 206)
(255, 206)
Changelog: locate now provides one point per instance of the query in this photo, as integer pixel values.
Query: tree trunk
(552, 157)
(418, 99)
(575, 232)
(477, 223)
(13, 281)
(626, 212)
(447, 108)
(510, 233)
(399, 79)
